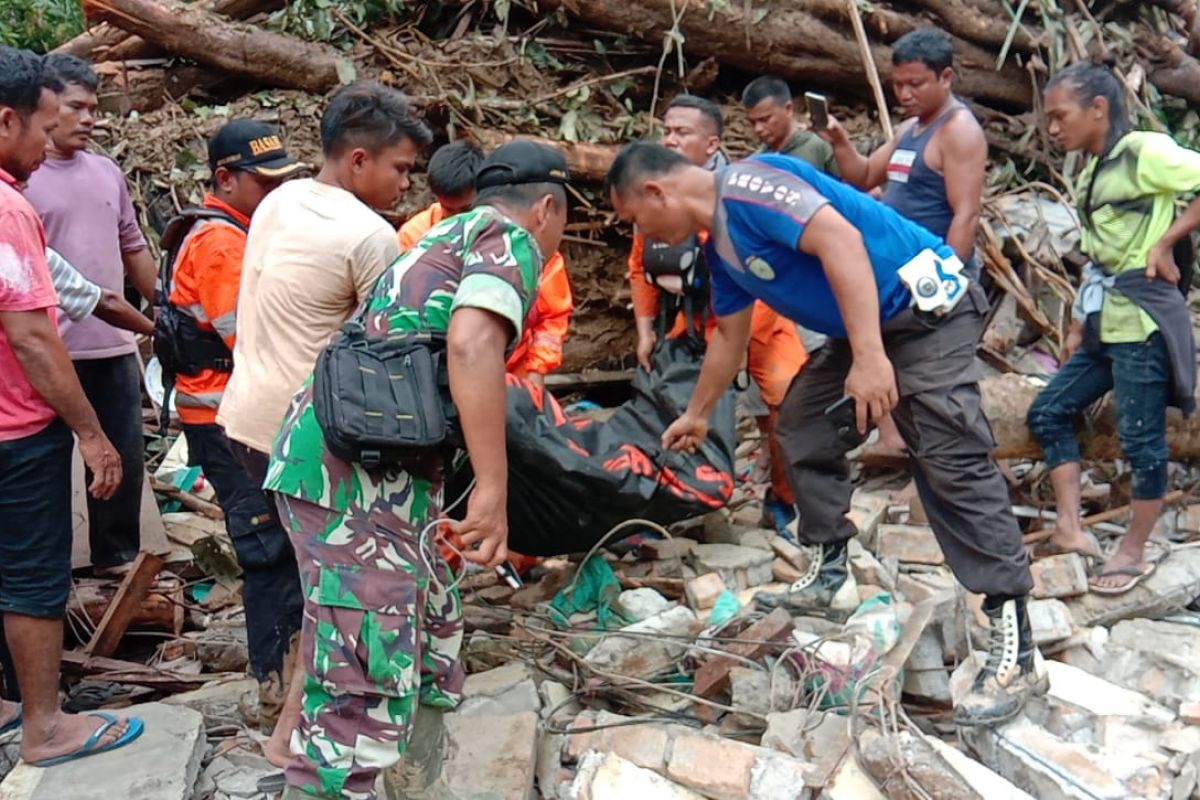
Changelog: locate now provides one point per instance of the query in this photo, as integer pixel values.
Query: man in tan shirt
(314, 250)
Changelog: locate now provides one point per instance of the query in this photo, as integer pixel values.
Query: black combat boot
(826, 588)
(1013, 669)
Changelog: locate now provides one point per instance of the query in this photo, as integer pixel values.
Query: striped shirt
(77, 296)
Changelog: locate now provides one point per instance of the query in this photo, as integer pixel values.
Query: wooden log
(247, 51)
(791, 42)
(1170, 69)
(157, 612)
(187, 499)
(110, 669)
(588, 162)
(1006, 401)
(106, 42)
(124, 605)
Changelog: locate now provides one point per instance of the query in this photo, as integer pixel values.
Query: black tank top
(913, 188)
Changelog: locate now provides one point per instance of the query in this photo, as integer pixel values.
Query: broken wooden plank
(187, 499)
(125, 605)
(131, 672)
(759, 639)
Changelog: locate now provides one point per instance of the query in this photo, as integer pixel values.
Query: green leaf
(346, 71)
(568, 129)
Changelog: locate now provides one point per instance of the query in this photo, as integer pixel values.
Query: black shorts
(35, 522)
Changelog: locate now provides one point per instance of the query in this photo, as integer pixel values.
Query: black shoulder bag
(382, 402)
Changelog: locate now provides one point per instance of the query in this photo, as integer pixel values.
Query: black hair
(519, 196)
(23, 76)
(1098, 78)
(452, 168)
(73, 71)
(768, 87)
(707, 108)
(368, 114)
(930, 46)
(640, 160)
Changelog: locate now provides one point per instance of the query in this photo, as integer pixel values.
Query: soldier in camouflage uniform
(381, 635)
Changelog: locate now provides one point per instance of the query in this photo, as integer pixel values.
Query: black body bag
(382, 402)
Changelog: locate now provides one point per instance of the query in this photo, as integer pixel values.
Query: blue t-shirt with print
(763, 204)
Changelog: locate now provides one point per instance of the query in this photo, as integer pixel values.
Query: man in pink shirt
(41, 403)
(85, 207)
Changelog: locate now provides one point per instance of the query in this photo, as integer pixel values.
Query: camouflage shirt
(480, 259)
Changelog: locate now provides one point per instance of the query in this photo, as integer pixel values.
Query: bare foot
(277, 750)
(66, 734)
(1119, 560)
(1070, 541)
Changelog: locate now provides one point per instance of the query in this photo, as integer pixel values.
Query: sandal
(92, 746)
(1138, 574)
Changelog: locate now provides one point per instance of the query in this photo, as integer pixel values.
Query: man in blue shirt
(830, 258)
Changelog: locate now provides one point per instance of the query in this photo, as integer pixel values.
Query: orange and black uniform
(540, 348)
(773, 359)
(207, 273)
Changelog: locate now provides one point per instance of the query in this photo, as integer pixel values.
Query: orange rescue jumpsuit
(540, 348)
(773, 358)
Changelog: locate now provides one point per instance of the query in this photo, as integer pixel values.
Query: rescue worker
(1131, 331)
(841, 263)
(692, 127)
(313, 252)
(540, 349)
(248, 160)
(382, 628)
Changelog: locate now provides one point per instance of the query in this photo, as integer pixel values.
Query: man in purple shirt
(84, 204)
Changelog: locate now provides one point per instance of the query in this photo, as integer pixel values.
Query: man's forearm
(853, 283)
(1187, 222)
(43, 358)
(961, 234)
(140, 268)
(853, 166)
(475, 355)
(114, 310)
(722, 360)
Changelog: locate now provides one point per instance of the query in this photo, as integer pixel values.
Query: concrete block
(932, 685)
(867, 510)
(1050, 621)
(640, 604)
(643, 655)
(702, 592)
(718, 768)
(238, 780)
(162, 764)
(1174, 585)
(644, 745)
(850, 782)
(558, 700)
(913, 544)
(777, 777)
(928, 652)
(822, 742)
(789, 552)
(509, 689)
(759, 539)
(667, 549)
(220, 701)
(869, 570)
(606, 776)
(1099, 697)
(491, 757)
(740, 567)
(551, 774)
(784, 572)
(1059, 576)
(1160, 659)
(1190, 713)
(988, 784)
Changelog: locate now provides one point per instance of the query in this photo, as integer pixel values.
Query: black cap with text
(522, 161)
(251, 146)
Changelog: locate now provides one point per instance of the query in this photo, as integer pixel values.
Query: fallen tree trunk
(1170, 69)
(106, 42)
(263, 56)
(791, 42)
(588, 163)
(1006, 401)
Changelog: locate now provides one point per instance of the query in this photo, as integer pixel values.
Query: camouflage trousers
(378, 636)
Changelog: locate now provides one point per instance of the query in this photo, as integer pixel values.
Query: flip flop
(91, 747)
(13, 723)
(1137, 574)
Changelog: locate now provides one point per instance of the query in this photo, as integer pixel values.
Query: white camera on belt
(935, 282)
